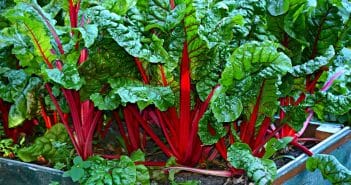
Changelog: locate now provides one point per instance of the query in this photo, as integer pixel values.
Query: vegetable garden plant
(197, 80)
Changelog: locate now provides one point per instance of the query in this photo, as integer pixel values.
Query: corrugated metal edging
(18, 173)
(294, 172)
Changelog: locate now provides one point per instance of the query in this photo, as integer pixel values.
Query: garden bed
(338, 144)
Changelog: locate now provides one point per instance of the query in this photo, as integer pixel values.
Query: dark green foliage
(261, 171)
(97, 170)
(54, 146)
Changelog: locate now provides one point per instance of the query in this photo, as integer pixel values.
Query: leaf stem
(185, 88)
(249, 132)
(142, 71)
(64, 120)
(219, 173)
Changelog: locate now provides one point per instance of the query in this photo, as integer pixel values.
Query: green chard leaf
(161, 16)
(77, 171)
(295, 116)
(26, 104)
(17, 80)
(330, 168)
(161, 97)
(89, 34)
(142, 171)
(278, 7)
(225, 108)
(313, 65)
(21, 90)
(54, 146)
(105, 62)
(97, 170)
(197, 46)
(26, 16)
(255, 57)
(69, 77)
(130, 34)
(309, 28)
(335, 104)
(252, 64)
(323, 24)
(120, 7)
(208, 137)
(125, 90)
(109, 101)
(125, 174)
(261, 171)
(274, 145)
(254, 21)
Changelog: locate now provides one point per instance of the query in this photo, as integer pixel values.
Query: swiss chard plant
(319, 61)
(185, 58)
(178, 57)
(55, 47)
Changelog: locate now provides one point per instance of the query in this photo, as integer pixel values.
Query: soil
(243, 180)
(293, 152)
(212, 180)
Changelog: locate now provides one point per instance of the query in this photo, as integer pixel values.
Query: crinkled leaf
(312, 65)
(270, 93)
(89, 34)
(54, 146)
(69, 77)
(129, 35)
(225, 108)
(132, 40)
(255, 57)
(311, 27)
(162, 17)
(125, 174)
(254, 71)
(26, 103)
(323, 26)
(137, 156)
(207, 136)
(335, 104)
(17, 113)
(278, 7)
(142, 175)
(295, 116)
(249, 90)
(106, 102)
(17, 80)
(197, 46)
(26, 16)
(162, 97)
(142, 171)
(330, 168)
(98, 170)
(119, 7)
(106, 61)
(208, 74)
(261, 171)
(274, 145)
